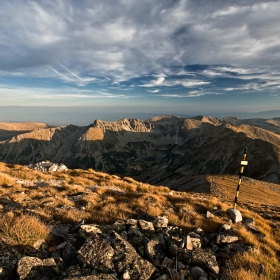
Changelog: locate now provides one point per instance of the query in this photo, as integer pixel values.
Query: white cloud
(81, 42)
(153, 91)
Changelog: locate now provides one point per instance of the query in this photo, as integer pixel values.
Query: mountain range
(165, 150)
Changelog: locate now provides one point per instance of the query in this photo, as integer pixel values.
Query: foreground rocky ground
(130, 249)
(81, 224)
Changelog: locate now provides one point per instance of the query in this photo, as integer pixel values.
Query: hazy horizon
(87, 115)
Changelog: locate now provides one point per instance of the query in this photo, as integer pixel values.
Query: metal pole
(243, 163)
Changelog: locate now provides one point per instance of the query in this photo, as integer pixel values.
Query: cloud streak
(162, 48)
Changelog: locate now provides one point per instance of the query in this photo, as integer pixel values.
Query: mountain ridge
(158, 150)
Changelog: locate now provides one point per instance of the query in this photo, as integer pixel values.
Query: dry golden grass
(96, 197)
(21, 230)
(249, 266)
(5, 180)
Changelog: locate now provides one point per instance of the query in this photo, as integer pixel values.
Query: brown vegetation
(40, 198)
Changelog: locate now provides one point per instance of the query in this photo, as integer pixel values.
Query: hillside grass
(31, 200)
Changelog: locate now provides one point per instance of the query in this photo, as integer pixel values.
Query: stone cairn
(47, 166)
(130, 249)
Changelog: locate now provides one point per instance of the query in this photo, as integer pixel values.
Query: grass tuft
(22, 230)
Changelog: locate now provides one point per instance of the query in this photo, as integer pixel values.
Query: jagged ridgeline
(163, 150)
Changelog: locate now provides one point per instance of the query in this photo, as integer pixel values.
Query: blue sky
(181, 56)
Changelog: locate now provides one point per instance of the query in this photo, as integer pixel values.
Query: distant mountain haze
(79, 115)
(164, 150)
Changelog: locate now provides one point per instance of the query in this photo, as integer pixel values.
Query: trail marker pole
(243, 163)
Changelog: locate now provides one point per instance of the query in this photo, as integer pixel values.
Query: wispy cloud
(140, 48)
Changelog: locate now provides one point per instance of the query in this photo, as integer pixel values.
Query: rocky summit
(164, 150)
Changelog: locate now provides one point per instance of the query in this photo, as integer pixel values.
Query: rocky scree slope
(130, 249)
(160, 150)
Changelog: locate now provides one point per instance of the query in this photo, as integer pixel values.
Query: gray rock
(195, 240)
(69, 255)
(98, 253)
(189, 245)
(154, 251)
(234, 215)
(61, 230)
(226, 237)
(199, 231)
(131, 222)
(53, 168)
(166, 263)
(147, 228)
(205, 258)
(198, 272)
(161, 222)
(209, 215)
(114, 254)
(86, 229)
(35, 268)
(119, 226)
(224, 228)
(127, 260)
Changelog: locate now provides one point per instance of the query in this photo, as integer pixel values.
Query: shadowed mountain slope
(163, 150)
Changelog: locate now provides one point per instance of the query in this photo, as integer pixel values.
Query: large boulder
(114, 254)
(205, 258)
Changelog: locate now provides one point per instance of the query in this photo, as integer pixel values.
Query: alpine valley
(165, 150)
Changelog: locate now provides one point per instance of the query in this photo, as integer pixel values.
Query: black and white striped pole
(243, 163)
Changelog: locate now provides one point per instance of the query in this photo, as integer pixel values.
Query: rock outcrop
(131, 249)
(47, 166)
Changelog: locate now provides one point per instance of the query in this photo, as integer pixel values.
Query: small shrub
(21, 230)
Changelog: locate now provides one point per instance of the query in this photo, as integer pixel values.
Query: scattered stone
(198, 272)
(195, 240)
(69, 255)
(131, 250)
(97, 252)
(34, 268)
(61, 230)
(209, 215)
(146, 226)
(166, 263)
(205, 258)
(155, 251)
(250, 225)
(225, 228)
(75, 228)
(131, 222)
(234, 215)
(86, 229)
(226, 237)
(189, 245)
(161, 222)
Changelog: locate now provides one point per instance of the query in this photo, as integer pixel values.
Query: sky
(169, 56)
